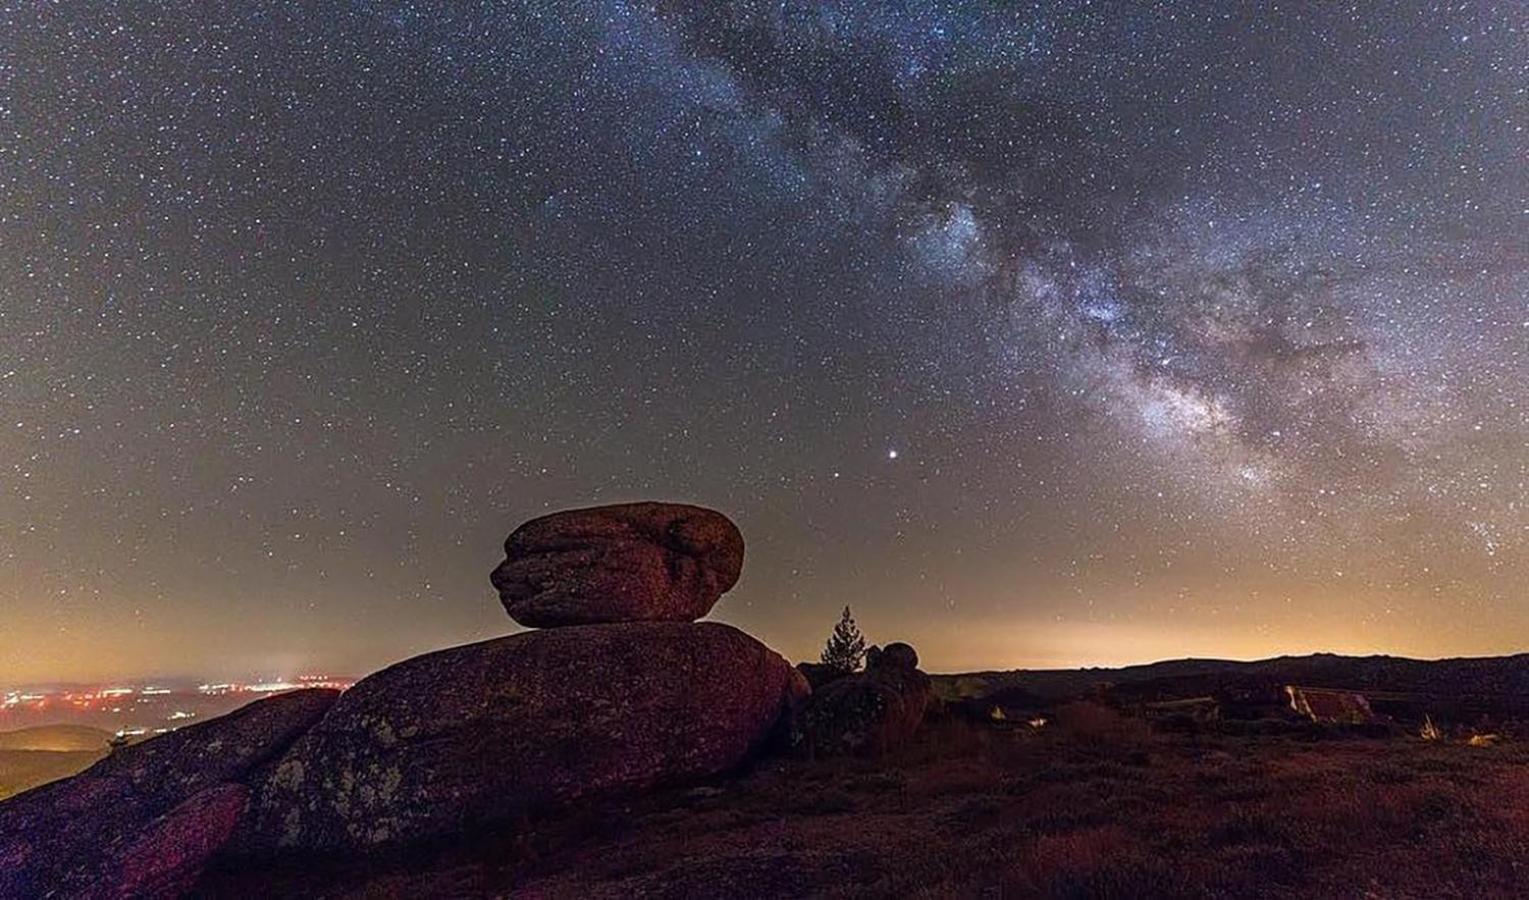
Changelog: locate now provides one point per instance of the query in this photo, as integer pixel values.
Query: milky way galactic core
(1038, 333)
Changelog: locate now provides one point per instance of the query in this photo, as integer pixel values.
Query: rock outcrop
(143, 821)
(869, 713)
(492, 731)
(169, 857)
(625, 692)
(625, 563)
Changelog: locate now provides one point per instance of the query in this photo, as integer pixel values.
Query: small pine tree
(845, 650)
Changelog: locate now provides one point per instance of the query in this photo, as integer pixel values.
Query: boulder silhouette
(896, 656)
(820, 674)
(493, 731)
(147, 818)
(624, 563)
(869, 713)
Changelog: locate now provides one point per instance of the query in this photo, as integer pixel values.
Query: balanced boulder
(145, 820)
(869, 713)
(625, 563)
(500, 729)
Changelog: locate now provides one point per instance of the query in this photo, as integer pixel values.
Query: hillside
(1492, 677)
(1107, 796)
(56, 738)
(30, 757)
(1093, 807)
(22, 770)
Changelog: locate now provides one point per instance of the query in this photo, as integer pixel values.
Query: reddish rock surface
(149, 814)
(170, 857)
(497, 730)
(625, 563)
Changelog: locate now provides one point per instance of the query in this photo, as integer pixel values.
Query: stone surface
(167, 860)
(150, 814)
(869, 713)
(494, 731)
(625, 563)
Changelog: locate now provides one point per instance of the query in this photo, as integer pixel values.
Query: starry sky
(1040, 333)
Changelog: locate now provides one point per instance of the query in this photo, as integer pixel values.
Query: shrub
(1092, 723)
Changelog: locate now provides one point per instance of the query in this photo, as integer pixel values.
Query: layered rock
(869, 713)
(492, 731)
(624, 563)
(143, 821)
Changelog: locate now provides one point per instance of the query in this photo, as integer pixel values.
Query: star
(302, 315)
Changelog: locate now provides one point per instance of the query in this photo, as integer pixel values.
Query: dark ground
(1093, 805)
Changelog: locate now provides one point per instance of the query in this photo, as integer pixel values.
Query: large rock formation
(868, 713)
(143, 821)
(627, 693)
(494, 730)
(624, 563)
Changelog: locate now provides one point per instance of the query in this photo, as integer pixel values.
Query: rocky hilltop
(617, 690)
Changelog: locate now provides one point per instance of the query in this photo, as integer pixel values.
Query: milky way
(1040, 333)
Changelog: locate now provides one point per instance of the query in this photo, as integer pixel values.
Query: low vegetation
(1094, 804)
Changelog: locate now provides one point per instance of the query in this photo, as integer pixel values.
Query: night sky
(1042, 334)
